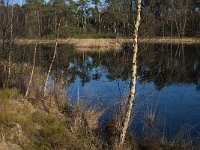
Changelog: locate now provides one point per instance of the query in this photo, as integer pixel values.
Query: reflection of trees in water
(169, 64)
(161, 64)
(22, 59)
(112, 64)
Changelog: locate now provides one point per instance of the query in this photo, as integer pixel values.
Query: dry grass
(29, 124)
(112, 43)
(154, 134)
(113, 128)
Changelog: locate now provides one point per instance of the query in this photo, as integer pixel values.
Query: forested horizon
(96, 18)
(99, 19)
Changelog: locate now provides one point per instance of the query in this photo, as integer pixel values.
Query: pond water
(168, 82)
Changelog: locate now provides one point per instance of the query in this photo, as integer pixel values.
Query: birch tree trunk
(8, 67)
(131, 96)
(84, 20)
(52, 61)
(32, 71)
(99, 23)
(39, 26)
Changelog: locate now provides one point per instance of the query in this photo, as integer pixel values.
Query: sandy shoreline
(110, 42)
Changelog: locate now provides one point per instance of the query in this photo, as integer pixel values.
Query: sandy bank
(111, 42)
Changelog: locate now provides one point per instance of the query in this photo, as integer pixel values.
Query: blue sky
(22, 1)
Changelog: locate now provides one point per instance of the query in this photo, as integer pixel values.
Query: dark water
(168, 83)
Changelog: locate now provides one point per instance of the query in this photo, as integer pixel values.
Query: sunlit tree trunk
(52, 61)
(39, 25)
(4, 30)
(180, 19)
(114, 27)
(184, 22)
(32, 72)
(34, 55)
(131, 96)
(84, 20)
(8, 64)
(99, 23)
(50, 68)
(77, 20)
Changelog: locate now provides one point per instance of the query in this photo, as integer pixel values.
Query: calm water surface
(168, 82)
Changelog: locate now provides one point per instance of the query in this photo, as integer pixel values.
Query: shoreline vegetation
(112, 43)
(53, 122)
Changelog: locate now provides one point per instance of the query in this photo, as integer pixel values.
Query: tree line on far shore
(99, 19)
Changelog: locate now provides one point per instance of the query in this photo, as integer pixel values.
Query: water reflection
(168, 77)
(161, 64)
(171, 64)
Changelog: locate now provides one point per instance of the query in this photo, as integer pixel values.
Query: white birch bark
(34, 55)
(84, 20)
(10, 46)
(32, 71)
(52, 61)
(131, 96)
(50, 68)
(11, 40)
